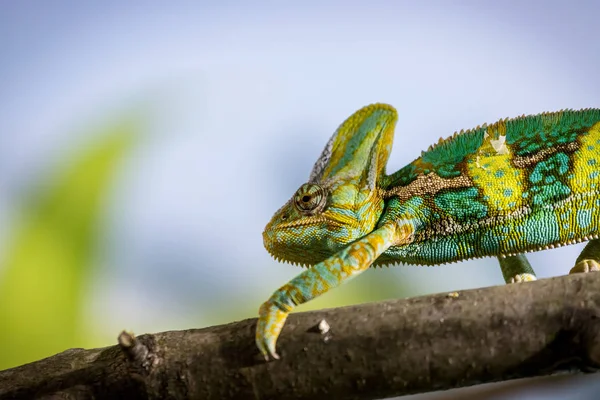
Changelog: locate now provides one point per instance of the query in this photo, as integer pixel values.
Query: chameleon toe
(522, 278)
(270, 322)
(586, 265)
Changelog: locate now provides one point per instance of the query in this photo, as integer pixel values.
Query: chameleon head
(309, 228)
(339, 204)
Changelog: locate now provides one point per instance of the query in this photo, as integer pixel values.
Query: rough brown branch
(371, 351)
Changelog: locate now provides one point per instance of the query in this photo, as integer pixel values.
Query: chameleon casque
(518, 185)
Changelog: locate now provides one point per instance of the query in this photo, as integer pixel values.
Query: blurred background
(144, 145)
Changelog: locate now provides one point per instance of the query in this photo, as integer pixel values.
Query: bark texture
(371, 351)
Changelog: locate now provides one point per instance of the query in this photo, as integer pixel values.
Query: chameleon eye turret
(518, 185)
(310, 199)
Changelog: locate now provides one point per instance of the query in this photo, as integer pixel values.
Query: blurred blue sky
(242, 96)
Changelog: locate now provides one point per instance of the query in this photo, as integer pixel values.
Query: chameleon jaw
(286, 242)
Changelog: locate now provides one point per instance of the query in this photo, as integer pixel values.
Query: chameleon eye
(310, 199)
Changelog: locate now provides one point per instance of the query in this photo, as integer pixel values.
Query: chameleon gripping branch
(518, 185)
(370, 351)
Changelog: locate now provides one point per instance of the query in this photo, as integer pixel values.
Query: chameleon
(518, 185)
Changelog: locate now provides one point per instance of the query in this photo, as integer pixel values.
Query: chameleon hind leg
(589, 258)
(516, 269)
(317, 280)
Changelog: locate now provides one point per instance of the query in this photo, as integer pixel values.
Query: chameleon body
(515, 186)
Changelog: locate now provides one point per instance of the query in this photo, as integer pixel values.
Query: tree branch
(373, 350)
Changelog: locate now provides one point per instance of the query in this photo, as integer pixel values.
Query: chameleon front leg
(332, 272)
(589, 258)
(516, 269)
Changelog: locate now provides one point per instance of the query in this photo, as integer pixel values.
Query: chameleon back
(518, 185)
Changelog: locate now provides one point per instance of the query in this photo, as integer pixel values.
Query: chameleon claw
(270, 322)
(266, 348)
(267, 351)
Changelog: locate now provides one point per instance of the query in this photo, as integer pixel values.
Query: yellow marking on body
(586, 162)
(491, 171)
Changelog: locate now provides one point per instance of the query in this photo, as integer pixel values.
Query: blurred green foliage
(51, 252)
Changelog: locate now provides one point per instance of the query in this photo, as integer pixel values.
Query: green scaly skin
(518, 185)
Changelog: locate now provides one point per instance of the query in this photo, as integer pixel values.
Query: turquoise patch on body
(491, 241)
(549, 194)
(583, 218)
(462, 204)
(414, 202)
(540, 229)
(440, 251)
(547, 187)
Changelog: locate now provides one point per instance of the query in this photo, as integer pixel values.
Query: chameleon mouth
(315, 220)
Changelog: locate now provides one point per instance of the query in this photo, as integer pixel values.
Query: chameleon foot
(516, 268)
(270, 322)
(522, 278)
(585, 265)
